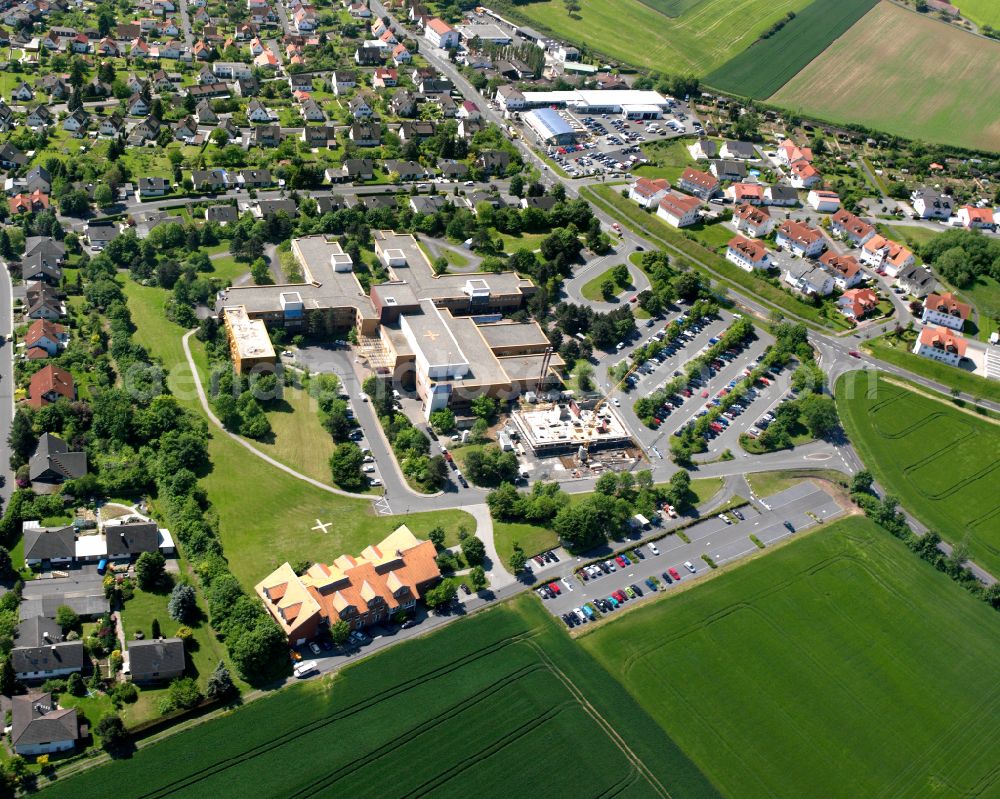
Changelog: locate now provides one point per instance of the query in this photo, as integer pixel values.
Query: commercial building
(389, 576)
(631, 103)
(549, 126)
(566, 427)
(249, 344)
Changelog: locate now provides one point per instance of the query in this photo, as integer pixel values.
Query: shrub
(756, 541)
(711, 563)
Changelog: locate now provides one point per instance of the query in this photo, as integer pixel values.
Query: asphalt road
(713, 537)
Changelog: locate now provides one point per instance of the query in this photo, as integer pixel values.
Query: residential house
(972, 217)
(256, 112)
(358, 169)
(782, 196)
(648, 192)
(728, 170)
(159, 660)
(881, 253)
(739, 193)
(789, 153)
(48, 547)
(128, 540)
(40, 727)
(205, 115)
(42, 652)
(186, 130)
(400, 55)
(510, 98)
(747, 254)
(679, 210)
(11, 157)
(755, 222)
(945, 310)
(856, 304)
(703, 150)
(369, 56)
(111, 126)
(386, 578)
(43, 302)
(319, 135)
(359, 11)
(940, 344)
(845, 269)
(342, 82)
(407, 170)
(153, 187)
(136, 106)
(738, 150)
(7, 120)
(826, 202)
(467, 128)
(931, 204)
(39, 117)
(853, 228)
(803, 175)
(22, 93)
(359, 107)
(246, 87)
(440, 34)
(364, 134)
(701, 184)
(50, 384)
(416, 130)
(222, 214)
(39, 179)
(800, 239)
(453, 170)
(254, 178)
(40, 267)
(493, 162)
(469, 110)
(286, 205)
(385, 78)
(28, 203)
(267, 136)
(44, 339)
(209, 179)
(100, 235)
(808, 278)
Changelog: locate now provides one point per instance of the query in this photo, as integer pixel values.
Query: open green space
(522, 241)
(900, 354)
(827, 668)
(705, 488)
(704, 36)
(532, 538)
(260, 529)
(941, 462)
(910, 235)
(453, 258)
(763, 68)
(715, 266)
(496, 704)
(982, 12)
(666, 159)
(877, 75)
(298, 438)
(591, 290)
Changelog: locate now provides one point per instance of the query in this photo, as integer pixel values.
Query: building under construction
(564, 427)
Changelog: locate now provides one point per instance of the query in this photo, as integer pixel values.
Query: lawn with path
(826, 667)
(592, 289)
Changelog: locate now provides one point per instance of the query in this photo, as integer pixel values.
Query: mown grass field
(266, 516)
(497, 705)
(766, 66)
(942, 463)
(667, 160)
(827, 668)
(878, 74)
(982, 12)
(591, 290)
(705, 35)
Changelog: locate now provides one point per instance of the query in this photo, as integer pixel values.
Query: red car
(621, 561)
(554, 589)
(854, 354)
(620, 596)
(674, 573)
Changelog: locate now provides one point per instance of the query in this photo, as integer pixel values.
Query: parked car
(652, 548)
(689, 566)
(667, 578)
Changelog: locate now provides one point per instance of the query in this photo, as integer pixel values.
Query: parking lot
(721, 541)
(610, 144)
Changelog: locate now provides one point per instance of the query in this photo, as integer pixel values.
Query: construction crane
(600, 404)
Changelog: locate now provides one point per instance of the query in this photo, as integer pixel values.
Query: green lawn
(227, 269)
(591, 290)
(522, 241)
(260, 529)
(884, 349)
(532, 538)
(982, 12)
(704, 36)
(985, 295)
(705, 488)
(767, 484)
(909, 235)
(827, 668)
(714, 237)
(666, 159)
(453, 258)
(299, 439)
(501, 703)
(942, 463)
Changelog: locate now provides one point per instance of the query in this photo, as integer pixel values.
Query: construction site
(566, 428)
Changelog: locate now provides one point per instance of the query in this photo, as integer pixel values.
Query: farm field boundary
(497, 703)
(762, 679)
(941, 462)
(878, 75)
(768, 64)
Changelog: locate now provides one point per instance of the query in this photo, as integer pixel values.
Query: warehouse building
(549, 126)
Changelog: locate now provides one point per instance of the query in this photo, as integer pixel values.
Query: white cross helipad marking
(322, 527)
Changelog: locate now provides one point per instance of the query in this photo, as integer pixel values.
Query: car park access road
(712, 537)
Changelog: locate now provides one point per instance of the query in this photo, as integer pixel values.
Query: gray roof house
(52, 463)
(153, 661)
(131, 539)
(39, 727)
(41, 652)
(48, 544)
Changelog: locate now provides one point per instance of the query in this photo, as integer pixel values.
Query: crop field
(982, 12)
(498, 705)
(878, 74)
(766, 66)
(705, 35)
(827, 668)
(942, 463)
